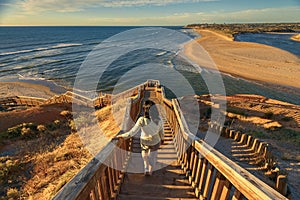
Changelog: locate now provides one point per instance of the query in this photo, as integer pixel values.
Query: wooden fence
(68, 97)
(21, 101)
(263, 156)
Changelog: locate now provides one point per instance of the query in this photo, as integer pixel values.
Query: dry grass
(40, 166)
(38, 159)
(52, 169)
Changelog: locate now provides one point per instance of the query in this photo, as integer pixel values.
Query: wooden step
(158, 190)
(143, 197)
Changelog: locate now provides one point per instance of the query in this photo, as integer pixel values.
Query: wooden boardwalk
(168, 180)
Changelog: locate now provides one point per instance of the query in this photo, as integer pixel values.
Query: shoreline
(18, 88)
(250, 61)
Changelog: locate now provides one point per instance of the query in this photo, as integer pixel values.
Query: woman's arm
(133, 130)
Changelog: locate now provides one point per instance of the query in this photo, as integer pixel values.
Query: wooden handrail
(102, 176)
(212, 169)
(243, 181)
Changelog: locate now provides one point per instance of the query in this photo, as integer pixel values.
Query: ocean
(52, 56)
(279, 40)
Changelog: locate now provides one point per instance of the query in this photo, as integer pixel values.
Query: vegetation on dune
(231, 29)
(37, 160)
(275, 122)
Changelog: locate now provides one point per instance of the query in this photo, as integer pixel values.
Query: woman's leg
(145, 156)
(152, 160)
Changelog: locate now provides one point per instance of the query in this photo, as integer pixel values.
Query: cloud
(79, 5)
(284, 14)
(254, 15)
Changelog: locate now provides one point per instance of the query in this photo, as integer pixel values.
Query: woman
(151, 136)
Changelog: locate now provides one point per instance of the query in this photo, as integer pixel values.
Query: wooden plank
(203, 177)
(237, 195)
(250, 139)
(96, 190)
(225, 190)
(93, 195)
(100, 188)
(105, 183)
(218, 186)
(110, 181)
(197, 171)
(194, 164)
(208, 182)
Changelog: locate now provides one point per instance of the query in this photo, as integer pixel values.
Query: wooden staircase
(186, 168)
(168, 181)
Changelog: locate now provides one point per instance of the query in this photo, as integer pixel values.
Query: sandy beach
(296, 37)
(24, 89)
(247, 60)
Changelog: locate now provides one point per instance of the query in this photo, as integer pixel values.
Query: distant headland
(230, 30)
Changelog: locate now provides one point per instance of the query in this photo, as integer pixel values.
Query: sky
(145, 12)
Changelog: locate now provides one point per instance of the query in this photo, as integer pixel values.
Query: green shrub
(264, 106)
(9, 169)
(25, 130)
(253, 105)
(12, 193)
(287, 135)
(236, 111)
(67, 114)
(268, 115)
(14, 131)
(287, 119)
(72, 126)
(41, 128)
(258, 134)
(51, 126)
(57, 122)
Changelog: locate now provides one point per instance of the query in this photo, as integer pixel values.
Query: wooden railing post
(237, 195)
(208, 181)
(226, 190)
(194, 164)
(281, 184)
(100, 189)
(202, 175)
(218, 186)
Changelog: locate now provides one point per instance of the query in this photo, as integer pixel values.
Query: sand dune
(247, 60)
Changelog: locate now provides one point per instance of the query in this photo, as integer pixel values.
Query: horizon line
(1, 25)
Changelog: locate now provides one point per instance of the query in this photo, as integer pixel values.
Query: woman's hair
(147, 105)
(154, 112)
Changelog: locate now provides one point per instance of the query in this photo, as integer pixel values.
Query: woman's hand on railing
(117, 137)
